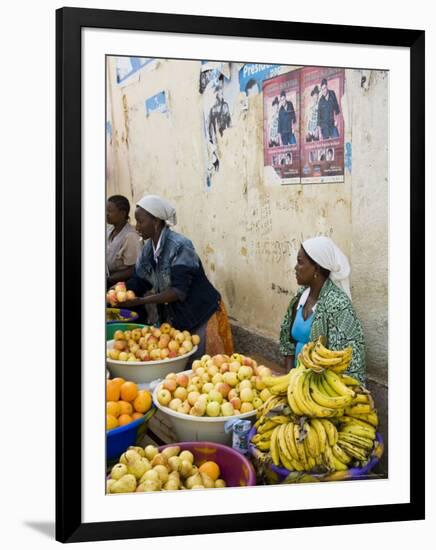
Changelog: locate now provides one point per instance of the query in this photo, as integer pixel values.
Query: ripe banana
(360, 408)
(312, 444)
(274, 447)
(305, 357)
(300, 447)
(340, 454)
(332, 462)
(349, 380)
(353, 420)
(271, 381)
(263, 445)
(335, 382)
(363, 442)
(289, 435)
(358, 430)
(331, 431)
(322, 350)
(318, 426)
(324, 361)
(314, 409)
(325, 400)
(352, 450)
(371, 418)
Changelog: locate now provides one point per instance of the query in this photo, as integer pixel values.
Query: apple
(246, 395)
(182, 351)
(230, 378)
(144, 331)
(257, 402)
(244, 373)
(136, 334)
(123, 356)
(119, 335)
(120, 345)
(196, 381)
(169, 383)
(130, 295)
(181, 393)
(199, 409)
(212, 370)
(223, 388)
(215, 395)
(258, 384)
(235, 402)
(205, 358)
(207, 387)
(155, 354)
(247, 361)
(164, 353)
(172, 354)
(142, 343)
(163, 341)
(191, 387)
(184, 408)
(179, 337)
(195, 339)
(114, 354)
(164, 397)
(224, 368)
(171, 376)
(264, 371)
(165, 328)
(200, 371)
(227, 409)
(121, 296)
(213, 408)
(245, 384)
(174, 404)
(127, 335)
(236, 357)
(195, 365)
(156, 332)
(182, 379)
(217, 378)
(246, 407)
(134, 348)
(205, 378)
(173, 345)
(193, 397)
(151, 339)
(233, 393)
(234, 366)
(218, 360)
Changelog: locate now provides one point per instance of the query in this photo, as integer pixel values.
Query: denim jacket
(178, 267)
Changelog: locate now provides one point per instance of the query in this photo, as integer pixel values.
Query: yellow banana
(297, 392)
(274, 447)
(349, 380)
(334, 381)
(340, 454)
(324, 351)
(334, 462)
(371, 418)
(326, 387)
(284, 451)
(352, 450)
(313, 408)
(318, 426)
(312, 440)
(358, 430)
(324, 400)
(271, 381)
(331, 431)
(290, 441)
(300, 447)
(360, 408)
(264, 445)
(359, 441)
(361, 398)
(323, 361)
(353, 420)
(305, 357)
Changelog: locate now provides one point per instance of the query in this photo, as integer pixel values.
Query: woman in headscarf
(322, 306)
(122, 241)
(169, 273)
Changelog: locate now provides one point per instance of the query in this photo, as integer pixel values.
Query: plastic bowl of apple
(220, 388)
(149, 353)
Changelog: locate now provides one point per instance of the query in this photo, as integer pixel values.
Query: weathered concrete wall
(247, 232)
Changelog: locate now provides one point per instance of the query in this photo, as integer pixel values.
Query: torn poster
(252, 75)
(281, 128)
(211, 71)
(156, 104)
(127, 68)
(322, 125)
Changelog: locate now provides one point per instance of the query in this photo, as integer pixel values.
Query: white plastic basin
(199, 428)
(145, 371)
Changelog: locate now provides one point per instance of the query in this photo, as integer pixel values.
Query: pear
(126, 484)
(139, 467)
(171, 485)
(150, 452)
(139, 450)
(208, 482)
(186, 468)
(198, 487)
(171, 451)
(220, 483)
(174, 463)
(150, 474)
(175, 476)
(193, 480)
(162, 472)
(159, 459)
(109, 484)
(187, 455)
(149, 485)
(129, 457)
(119, 470)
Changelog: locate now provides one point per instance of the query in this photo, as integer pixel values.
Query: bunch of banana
(277, 385)
(317, 357)
(321, 395)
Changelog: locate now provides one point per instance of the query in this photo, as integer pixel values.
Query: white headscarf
(159, 208)
(325, 253)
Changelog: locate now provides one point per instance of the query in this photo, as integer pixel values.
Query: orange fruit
(137, 415)
(124, 419)
(142, 402)
(111, 422)
(128, 391)
(125, 407)
(211, 469)
(113, 408)
(112, 391)
(118, 381)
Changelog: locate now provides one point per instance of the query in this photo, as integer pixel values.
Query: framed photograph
(282, 152)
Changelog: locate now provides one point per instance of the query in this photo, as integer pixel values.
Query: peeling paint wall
(246, 232)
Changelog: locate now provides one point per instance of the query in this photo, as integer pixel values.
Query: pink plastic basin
(236, 469)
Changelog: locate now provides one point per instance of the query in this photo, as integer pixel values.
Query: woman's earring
(315, 276)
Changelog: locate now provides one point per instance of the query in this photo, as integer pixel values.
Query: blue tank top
(300, 331)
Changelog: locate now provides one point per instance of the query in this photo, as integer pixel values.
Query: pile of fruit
(125, 402)
(119, 294)
(317, 419)
(217, 386)
(151, 343)
(143, 470)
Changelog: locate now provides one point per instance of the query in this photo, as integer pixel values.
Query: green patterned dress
(335, 318)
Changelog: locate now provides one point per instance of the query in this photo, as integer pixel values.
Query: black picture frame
(69, 22)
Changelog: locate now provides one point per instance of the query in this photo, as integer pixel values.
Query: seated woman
(123, 245)
(169, 273)
(323, 306)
